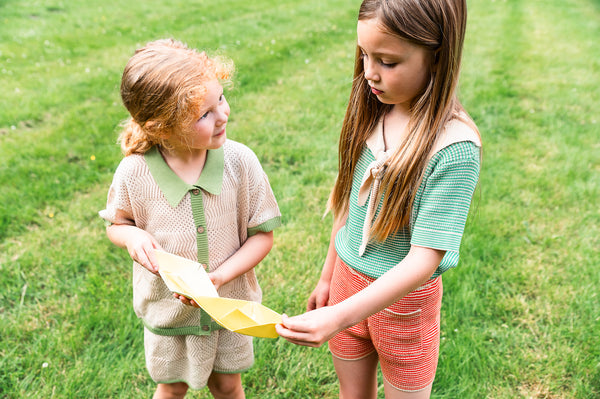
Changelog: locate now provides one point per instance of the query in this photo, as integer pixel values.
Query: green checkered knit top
(438, 216)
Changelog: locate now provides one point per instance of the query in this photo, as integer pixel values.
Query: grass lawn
(521, 313)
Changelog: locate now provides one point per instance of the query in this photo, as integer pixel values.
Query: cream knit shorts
(192, 358)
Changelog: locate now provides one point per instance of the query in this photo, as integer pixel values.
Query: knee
(168, 391)
(225, 385)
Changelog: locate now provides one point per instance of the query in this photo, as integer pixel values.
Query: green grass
(521, 312)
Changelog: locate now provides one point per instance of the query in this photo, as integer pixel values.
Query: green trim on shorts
(216, 371)
(236, 371)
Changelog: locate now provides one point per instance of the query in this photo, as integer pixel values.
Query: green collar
(174, 189)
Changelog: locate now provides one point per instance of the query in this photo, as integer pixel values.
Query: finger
(283, 330)
(287, 329)
(156, 245)
(153, 263)
(297, 323)
(288, 334)
(212, 277)
(182, 298)
(300, 343)
(285, 322)
(295, 338)
(322, 301)
(142, 259)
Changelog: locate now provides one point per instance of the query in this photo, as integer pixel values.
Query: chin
(218, 143)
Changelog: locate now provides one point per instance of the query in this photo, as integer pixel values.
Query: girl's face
(208, 131)
(397, 70)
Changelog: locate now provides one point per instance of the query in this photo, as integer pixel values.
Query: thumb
(284, 319)
(296, 323)
(289, 322)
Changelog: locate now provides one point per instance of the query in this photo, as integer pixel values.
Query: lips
(375, 91)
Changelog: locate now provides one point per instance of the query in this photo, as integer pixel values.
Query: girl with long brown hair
(409, 159)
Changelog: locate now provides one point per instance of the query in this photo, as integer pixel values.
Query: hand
(319, 296)
(185, 300)
(313, 328)
(140, 245)
(217, 278)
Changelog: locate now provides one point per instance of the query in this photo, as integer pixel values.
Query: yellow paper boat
(188, 278)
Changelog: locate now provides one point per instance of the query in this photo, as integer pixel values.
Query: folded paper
(188, 278)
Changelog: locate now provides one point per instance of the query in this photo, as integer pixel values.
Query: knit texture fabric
(243, 206)
(438, 216)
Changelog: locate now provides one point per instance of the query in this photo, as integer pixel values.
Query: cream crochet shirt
(206, 222)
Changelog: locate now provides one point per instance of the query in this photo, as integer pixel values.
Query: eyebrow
(204, 109)
(379, 54)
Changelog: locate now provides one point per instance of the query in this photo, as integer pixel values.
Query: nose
(223, 112)
(370, 70)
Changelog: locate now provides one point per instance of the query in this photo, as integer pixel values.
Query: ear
(435, 57)
(434, 62)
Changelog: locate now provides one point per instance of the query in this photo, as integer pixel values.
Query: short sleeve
(441, 210)
(264, 214)
(118, 204)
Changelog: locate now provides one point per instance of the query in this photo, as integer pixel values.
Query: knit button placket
(201, 243)
(200, 223)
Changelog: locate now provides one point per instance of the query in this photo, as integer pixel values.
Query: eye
(388, 65)
(203, 116)
(222, 98)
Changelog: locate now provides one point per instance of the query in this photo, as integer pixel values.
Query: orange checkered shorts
(405, 335)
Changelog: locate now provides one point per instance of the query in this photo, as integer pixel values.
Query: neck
(395, 127)
(187, 164)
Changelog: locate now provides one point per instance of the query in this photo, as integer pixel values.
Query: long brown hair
(439, 27)
(163, 87)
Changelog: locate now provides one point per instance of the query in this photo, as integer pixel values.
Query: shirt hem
(190, 330)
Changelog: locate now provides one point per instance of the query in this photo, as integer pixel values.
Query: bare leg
(176, 390)
(226, 386)
(393, 393)
(358, 378)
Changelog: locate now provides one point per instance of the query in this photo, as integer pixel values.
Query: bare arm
(320, 295)
(139, 243)
(318, 326)
(247, 257)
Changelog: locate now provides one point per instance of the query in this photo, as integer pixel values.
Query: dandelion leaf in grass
(189, 278)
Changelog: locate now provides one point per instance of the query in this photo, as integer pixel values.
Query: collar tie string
(368, 189)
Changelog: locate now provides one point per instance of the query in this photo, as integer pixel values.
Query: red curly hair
(163, 87)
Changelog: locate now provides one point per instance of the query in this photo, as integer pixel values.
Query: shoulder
(457, 130)
(462, 152)
(132, 165)
(458, 144)
(239, 154)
